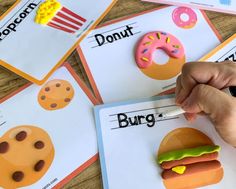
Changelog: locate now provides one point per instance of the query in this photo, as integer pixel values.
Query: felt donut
(186, 24)
(146, 47)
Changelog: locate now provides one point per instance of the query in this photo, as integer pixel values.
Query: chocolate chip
(39, 165)
(67, 100)
(58, 85)
(68, 88)
(21, 136)
(47, 89)
(39, 144)
(18, 176)
(54, 105)
(4, 146)
(43, 97)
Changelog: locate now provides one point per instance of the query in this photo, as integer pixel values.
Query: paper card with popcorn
(138, 149)
(47, 133)
(147, 51)
(36, 36)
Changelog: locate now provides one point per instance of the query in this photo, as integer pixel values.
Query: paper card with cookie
(47, 133)
(52, 28)
(139, 149)
(148, 51)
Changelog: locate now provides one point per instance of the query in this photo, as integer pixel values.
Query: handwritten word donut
(26, 153)
(186, 24)
(56, 94)
(146, 47)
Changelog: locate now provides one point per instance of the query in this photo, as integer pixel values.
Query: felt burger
(189, 160)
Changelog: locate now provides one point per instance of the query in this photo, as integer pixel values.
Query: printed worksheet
(138, 149)
(47, 133)
(36, 36)
(112, 53)
(226, 6)
(225, 51)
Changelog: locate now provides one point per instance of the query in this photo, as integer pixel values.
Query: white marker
(172, 113)
(179, 110)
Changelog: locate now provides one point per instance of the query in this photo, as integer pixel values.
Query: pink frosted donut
(192, 17)
(154, 40)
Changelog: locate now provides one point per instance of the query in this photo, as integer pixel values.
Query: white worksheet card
(128, 152)
(225, 51)
(111, 66)
(227, 6)
(71, 128)
(33, 50)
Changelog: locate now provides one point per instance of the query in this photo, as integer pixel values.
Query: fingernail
(191, 120)
(180, 97)
(185, 104)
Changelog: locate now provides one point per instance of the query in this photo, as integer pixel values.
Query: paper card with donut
(140, 56)
(138, 149)
(226, 6)
(36, 36)
(43, 144)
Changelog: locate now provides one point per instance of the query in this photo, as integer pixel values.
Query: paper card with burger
(138, 149)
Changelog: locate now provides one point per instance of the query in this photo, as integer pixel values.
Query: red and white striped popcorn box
(66, 20)
(53, 14)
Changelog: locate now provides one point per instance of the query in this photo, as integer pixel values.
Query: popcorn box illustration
(51, 13)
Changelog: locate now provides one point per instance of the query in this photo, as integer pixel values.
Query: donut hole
(184, 17)
(160, 57)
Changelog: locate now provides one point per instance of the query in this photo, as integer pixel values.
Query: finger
(177, 90)
(210, 100)
(218, 75)
(191, 117)
(194, 73)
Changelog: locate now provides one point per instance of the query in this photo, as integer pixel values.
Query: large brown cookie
(26, 153)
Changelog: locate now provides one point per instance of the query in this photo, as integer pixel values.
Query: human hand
(198, 90)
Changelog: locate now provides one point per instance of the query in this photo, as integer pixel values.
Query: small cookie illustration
(56, 94)
(26, 153)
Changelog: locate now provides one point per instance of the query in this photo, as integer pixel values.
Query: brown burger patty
(189, 160)
(192, 168)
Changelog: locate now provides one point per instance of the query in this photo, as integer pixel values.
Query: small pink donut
(192, 17)
(154, 40)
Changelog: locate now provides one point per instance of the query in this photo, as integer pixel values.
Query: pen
(179, 110)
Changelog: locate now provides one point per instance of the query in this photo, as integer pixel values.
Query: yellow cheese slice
(179, 169)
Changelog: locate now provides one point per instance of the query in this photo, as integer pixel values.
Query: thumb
(211, 101)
